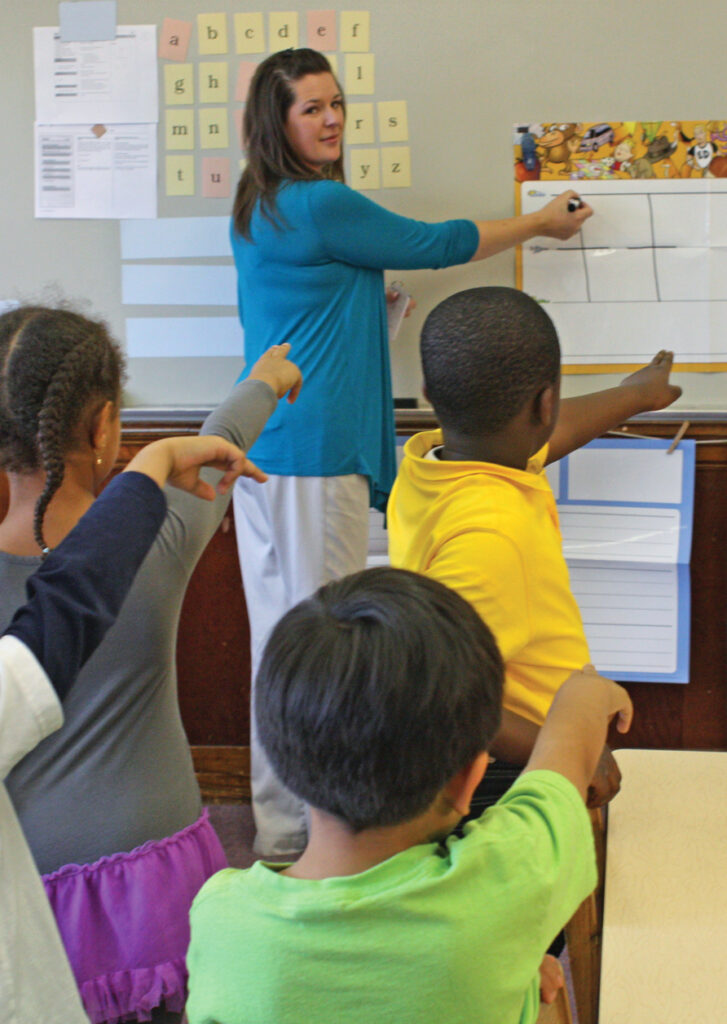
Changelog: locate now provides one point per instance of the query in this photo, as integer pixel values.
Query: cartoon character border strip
(580, 151)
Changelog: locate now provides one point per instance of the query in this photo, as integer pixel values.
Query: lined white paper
(630, 615)
(624, 506)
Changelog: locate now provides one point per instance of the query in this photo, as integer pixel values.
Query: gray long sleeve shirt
(119, 772)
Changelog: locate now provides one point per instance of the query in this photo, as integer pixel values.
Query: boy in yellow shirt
(472, 507)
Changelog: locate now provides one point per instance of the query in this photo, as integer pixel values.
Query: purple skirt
(124, 921)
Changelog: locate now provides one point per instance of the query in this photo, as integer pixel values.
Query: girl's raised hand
(178, 460)
(276, 369)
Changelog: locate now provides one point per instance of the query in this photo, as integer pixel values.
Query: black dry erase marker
(574, 203)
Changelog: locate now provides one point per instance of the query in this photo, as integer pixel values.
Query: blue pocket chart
(626, 510)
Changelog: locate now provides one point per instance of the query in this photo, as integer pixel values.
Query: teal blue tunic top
(315, 279)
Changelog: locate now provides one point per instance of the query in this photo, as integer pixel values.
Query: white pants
(293, 535)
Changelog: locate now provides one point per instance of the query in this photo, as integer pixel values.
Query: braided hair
(57, 369)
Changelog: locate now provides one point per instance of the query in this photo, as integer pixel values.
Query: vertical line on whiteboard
(585, 268)
(653, 248)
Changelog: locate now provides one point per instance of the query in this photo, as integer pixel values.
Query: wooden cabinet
(213, 651)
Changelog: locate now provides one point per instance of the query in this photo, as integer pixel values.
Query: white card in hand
(396, 312)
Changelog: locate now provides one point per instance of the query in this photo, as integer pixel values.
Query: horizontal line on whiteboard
(627, 357)
(615, 248)
(626, 302)
(584, 189)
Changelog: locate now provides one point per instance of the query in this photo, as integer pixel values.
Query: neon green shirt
(453, 933)
(491, 533)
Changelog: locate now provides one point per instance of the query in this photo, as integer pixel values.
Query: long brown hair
(270, 156)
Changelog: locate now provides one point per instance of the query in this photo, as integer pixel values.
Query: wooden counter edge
(223, 774)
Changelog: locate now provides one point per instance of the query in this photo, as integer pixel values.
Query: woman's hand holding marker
(563, 216)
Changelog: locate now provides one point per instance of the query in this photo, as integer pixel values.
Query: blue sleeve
(355, 230)
(79, 589)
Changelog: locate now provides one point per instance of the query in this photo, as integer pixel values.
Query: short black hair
(485, 352)
(374, 692)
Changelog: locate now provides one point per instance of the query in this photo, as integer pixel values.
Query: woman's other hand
(393, 293)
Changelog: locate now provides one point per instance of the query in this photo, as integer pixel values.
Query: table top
(665, 909)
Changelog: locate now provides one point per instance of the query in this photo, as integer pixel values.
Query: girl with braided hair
(109, 804)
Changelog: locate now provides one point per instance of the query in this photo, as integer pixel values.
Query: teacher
(310, 254)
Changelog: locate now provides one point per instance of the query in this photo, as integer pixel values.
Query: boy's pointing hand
(653, 383)
(606, 781)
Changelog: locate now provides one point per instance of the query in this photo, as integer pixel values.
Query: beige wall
(468, 69)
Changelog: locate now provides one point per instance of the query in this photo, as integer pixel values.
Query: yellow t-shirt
(491, 533)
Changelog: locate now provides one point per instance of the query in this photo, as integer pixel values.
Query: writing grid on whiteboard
(648, 270)
(626, 511)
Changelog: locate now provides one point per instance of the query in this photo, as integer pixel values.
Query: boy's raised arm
(515, 738)
(582, 419)
(515, 741)
(574, 733)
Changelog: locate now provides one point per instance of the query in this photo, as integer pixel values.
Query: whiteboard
(652, 265)
(466, 69)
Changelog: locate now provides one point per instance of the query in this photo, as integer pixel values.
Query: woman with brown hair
(310, 255)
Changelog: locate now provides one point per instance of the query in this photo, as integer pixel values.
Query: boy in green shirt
(377, 700)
